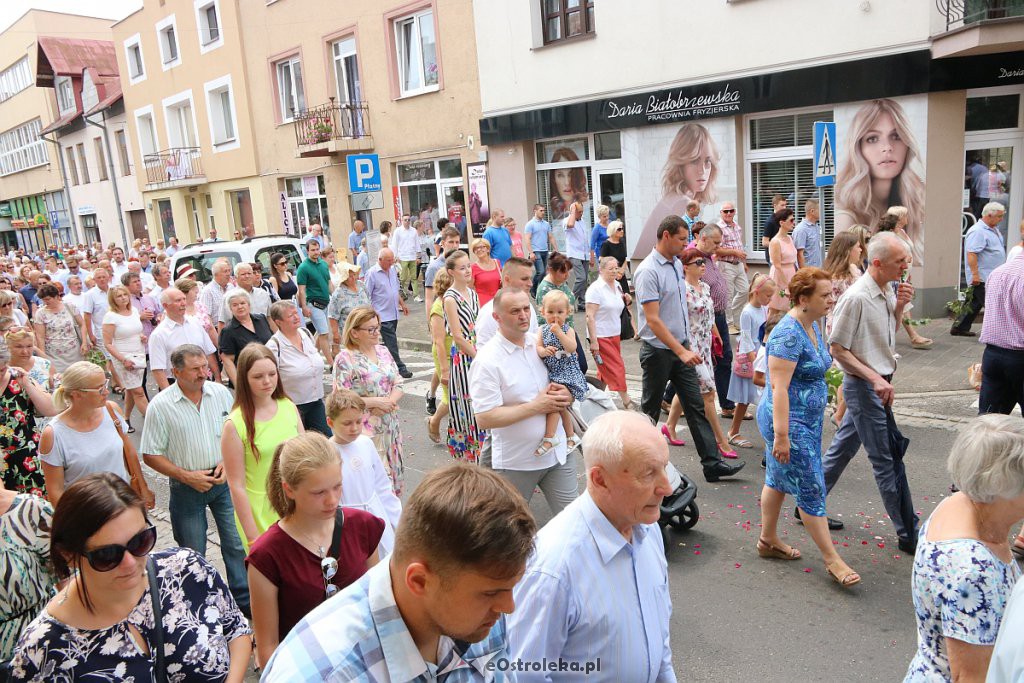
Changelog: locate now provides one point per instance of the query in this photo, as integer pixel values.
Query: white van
(202, 255)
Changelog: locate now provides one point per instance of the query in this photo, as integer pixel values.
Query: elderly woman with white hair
(964, 570)
(244, 328)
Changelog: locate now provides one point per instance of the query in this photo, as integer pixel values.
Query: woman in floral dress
(366, 367)
(701, 312)
(461, 305)
(58, 329)
(20, 399)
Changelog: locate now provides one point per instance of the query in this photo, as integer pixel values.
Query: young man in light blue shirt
(537, 241)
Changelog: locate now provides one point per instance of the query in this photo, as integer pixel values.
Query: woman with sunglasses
(101, 626)
(365, 366)
(782, 254)
(615, 246)
(86, 436)
(261, 418)
(316, 549)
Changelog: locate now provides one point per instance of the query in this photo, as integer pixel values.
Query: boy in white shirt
(364, 482)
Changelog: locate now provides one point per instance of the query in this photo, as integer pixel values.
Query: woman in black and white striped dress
(26, 583)
(461, 305)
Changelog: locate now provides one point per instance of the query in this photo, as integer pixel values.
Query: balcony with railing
(979, 27)
(175, 167)
(333, 129)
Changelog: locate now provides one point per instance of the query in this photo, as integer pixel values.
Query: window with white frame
(181, 125)
(416, 51)
(208, 21)
(220, 105)
(65, 95)
(167, 36)
(289, 88)
(780, 161)
(15, 78)
(21, 148)
(133, 55)
(147, 132)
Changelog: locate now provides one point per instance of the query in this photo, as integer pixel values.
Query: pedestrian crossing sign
(824, 153)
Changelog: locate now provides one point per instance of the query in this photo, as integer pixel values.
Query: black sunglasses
(728, 210)
(107, 557)
(696, 262)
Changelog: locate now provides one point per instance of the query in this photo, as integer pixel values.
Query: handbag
(626, 324)
(133, 478)
(742, 367)
(74, 324)
(159, 665)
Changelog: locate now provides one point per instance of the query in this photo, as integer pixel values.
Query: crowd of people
(306, 485)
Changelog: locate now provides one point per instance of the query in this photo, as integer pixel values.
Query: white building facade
(643, 107)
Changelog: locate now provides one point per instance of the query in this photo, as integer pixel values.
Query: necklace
(311, 541)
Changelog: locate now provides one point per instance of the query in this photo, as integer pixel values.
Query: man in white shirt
(405, 242)
(118, 265)
(176, 330)
(512, 396)
(577, 248)
(161, 281)
(172, 247)
(517, 274)
(618, 608)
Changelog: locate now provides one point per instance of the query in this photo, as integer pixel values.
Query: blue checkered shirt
(359, 635)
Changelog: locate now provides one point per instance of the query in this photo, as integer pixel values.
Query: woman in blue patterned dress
(964, 571)
(563, 366)
(790, 417)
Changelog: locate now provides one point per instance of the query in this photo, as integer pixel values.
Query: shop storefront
(307, 203)
(749, 139)
(430, 188)
(40, 221)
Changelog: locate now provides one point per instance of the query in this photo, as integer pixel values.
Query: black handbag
(626, 325)
(159, 665)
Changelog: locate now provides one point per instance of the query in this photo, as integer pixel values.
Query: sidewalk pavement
(940, 368)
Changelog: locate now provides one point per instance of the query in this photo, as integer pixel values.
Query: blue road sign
(824, 153)
(363, 173)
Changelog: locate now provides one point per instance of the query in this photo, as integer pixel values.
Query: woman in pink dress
(782, 253)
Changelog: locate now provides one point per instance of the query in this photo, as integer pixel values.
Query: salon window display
(880, 165)
(563, 186)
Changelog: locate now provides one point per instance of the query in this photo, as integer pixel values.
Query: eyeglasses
(107, 557)
(369, 330)
(105, 387)
(329, 567)
(728, 210)
(696, 262)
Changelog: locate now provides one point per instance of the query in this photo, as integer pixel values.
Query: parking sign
(363, 173)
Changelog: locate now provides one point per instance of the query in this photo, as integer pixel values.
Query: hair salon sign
(676, 105)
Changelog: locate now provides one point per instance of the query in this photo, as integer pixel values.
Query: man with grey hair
(984, 251)
(175, 331)
(259, 299)
(807, 237)
(161, 281)
(512, 396)
(709, 241)
(863, 342)
(731, 260)
(181, 440)
(606, 543)
(212, 296)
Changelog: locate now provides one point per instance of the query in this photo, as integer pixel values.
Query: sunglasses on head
(107, 557)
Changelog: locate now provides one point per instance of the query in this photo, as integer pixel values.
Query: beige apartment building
(33, 204)
(244, 112)
(185, 94)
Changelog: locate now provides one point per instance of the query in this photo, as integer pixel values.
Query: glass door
(989, 161)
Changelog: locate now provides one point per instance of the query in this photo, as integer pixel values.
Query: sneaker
(418, 299)
(431, 404)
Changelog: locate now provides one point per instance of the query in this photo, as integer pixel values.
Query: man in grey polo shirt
(181, 439)
(665, 353)
(863, 342)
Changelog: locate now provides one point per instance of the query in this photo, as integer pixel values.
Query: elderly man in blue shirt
(435, 609)
(595, 593)
(984, 251)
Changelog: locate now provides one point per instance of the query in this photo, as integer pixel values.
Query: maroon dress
(296, 572)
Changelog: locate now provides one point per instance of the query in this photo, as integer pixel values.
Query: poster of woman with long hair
(690, 172)
(565, 186)
(880, 166)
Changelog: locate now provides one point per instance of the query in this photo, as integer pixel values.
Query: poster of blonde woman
(881, 164)
(566, 186)
(671, 165)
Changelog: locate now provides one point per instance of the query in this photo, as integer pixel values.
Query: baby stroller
(679, 509)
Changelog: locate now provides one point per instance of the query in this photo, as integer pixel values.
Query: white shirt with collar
(300, 370)
(169, 335)
(405, 242)
(506, 374)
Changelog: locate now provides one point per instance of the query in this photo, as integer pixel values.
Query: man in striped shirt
(1002, 333)
(181, 439)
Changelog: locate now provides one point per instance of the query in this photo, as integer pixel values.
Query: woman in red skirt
(605, 301)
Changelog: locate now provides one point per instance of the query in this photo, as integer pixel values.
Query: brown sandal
(766, 549)
(850, 578)
(431, 434)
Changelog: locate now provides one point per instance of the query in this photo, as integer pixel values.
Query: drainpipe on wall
(113, 175)
(67, 190)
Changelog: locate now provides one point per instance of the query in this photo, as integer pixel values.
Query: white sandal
(547, 445)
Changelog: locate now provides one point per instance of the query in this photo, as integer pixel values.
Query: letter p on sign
(363, 173)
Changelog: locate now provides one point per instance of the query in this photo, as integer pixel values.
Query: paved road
(736, 616)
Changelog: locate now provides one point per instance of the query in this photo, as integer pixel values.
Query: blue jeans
(314, 417)
(540, 266)
(865, 422)
(188, 522)
(723, 371)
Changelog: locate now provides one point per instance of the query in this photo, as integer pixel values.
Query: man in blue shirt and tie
(595, 596)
